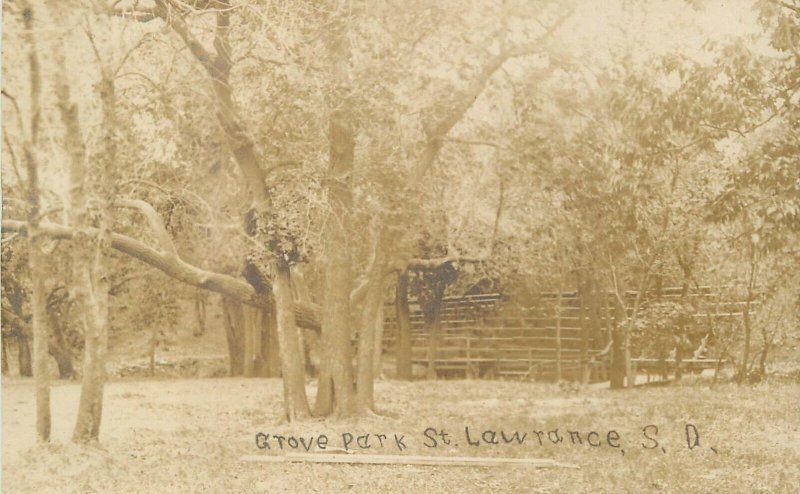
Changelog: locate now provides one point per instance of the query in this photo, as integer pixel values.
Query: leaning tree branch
(307, 313)
(155, 222)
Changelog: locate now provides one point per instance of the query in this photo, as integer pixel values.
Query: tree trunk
(269, 342)
(259, 319)
(24, 355)
(433, 326)
(336, 325)
(403, 324)
(41, 337)
(37, 259)
(295, 400)
(377, 362)
(58, 346)
(233, 320)
(365, 385)
(748, 324)
(151, 352)
(90, 276)
(4, 344)
(617, 370)
(218, 65)
(200, 301)
(248, 329)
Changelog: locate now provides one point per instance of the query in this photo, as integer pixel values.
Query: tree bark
(403, 324)
(294, 386)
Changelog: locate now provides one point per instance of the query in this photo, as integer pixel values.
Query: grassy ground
(189, 435)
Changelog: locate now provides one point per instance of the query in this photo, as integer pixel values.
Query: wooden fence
(487, 336)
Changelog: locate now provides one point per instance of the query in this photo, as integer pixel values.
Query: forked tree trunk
(403, 325)
(294, 382)
(89, 270)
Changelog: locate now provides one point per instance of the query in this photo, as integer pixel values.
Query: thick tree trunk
(403, 323)
(294, 385)
(336, 324)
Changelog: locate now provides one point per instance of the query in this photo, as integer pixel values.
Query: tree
(36, 257)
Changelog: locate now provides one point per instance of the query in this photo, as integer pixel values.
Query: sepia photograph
(400, 246)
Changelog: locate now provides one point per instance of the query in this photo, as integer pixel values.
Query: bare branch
(155, 222)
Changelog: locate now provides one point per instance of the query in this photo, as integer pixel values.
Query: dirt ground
(189, 436)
